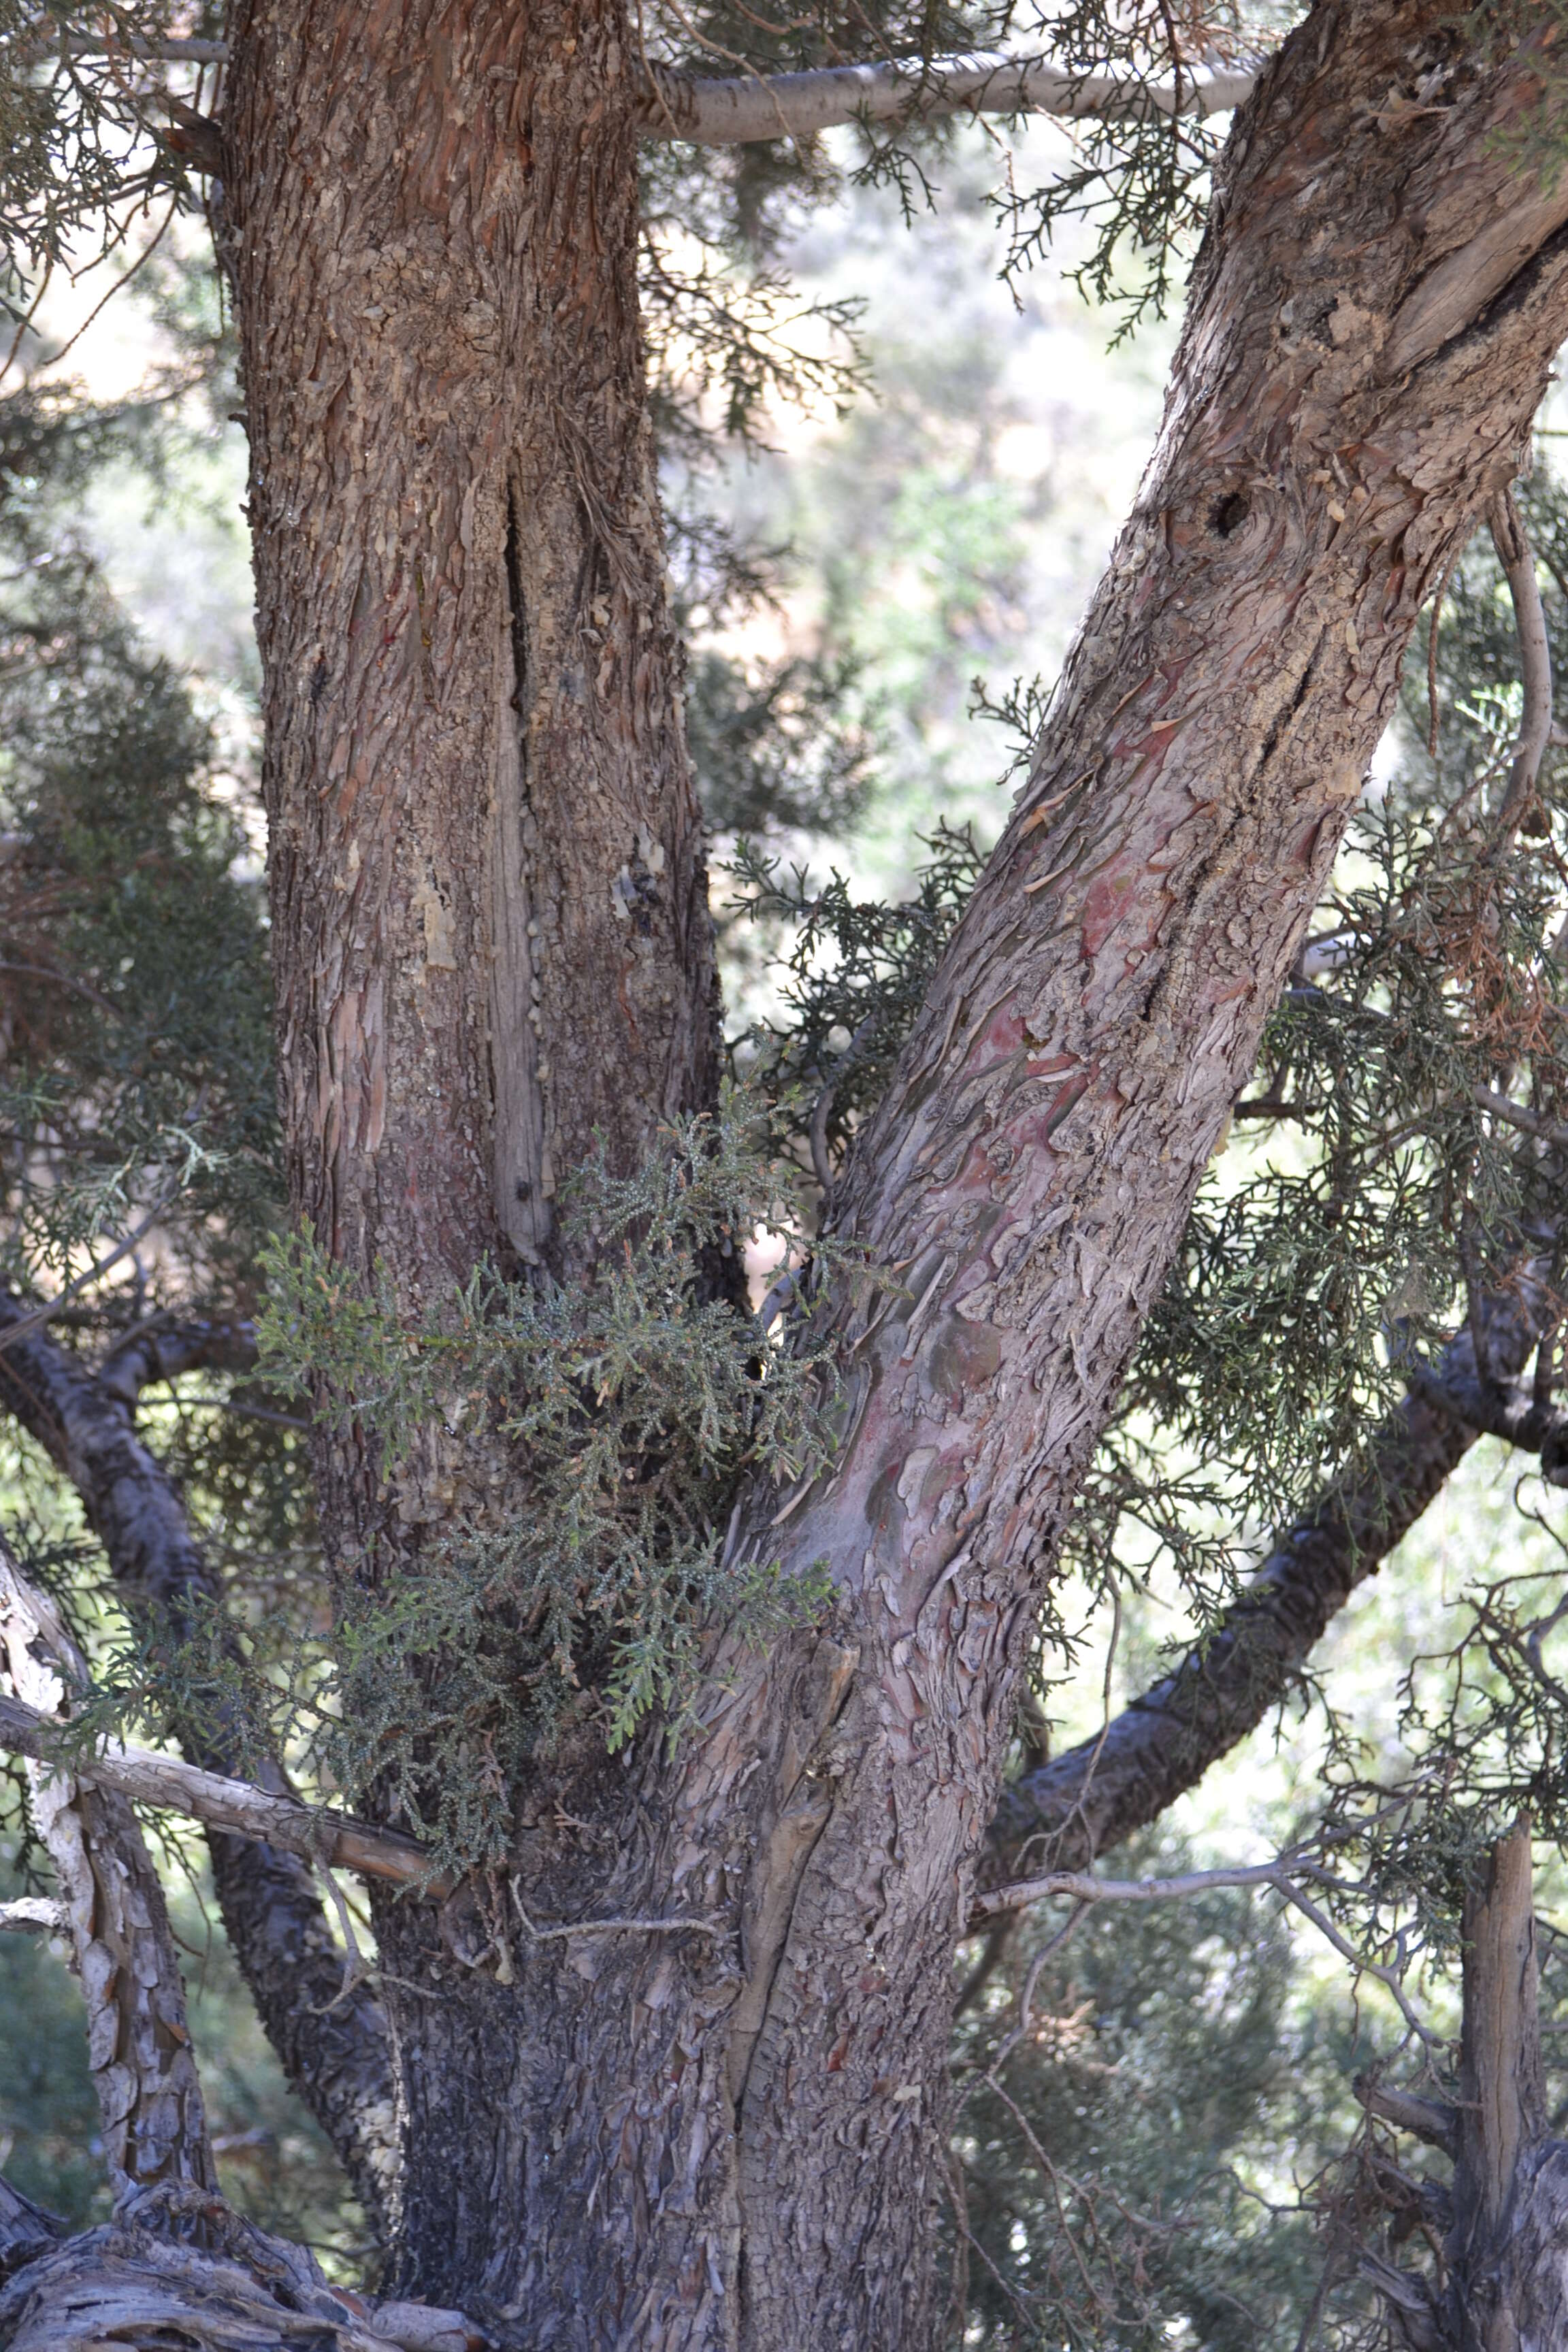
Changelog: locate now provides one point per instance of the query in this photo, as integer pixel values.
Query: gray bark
(332, 2046)
(137, 2043)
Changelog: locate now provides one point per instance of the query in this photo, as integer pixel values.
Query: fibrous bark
(138, 2045)
(332, 2040)
(734, 2140)
(1505, 2284)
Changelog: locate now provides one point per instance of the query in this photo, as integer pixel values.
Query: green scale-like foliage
(622, 1411)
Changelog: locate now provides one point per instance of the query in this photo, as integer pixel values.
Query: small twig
(1085, 1888)
(95, 1273)
(1442, 590)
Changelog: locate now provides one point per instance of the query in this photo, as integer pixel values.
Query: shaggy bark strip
(138, 2045)
(332, 2043)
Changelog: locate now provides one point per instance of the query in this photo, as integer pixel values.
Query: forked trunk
(491, 937)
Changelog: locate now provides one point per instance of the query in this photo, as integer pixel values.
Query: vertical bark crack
(522, 1188)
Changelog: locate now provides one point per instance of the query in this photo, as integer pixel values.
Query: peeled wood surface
(137, 2043)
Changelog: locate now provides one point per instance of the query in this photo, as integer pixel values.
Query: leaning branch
(173, 1786)
(739, 110)
(1091, 1797)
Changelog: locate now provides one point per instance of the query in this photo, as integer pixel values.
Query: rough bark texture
(1065, 1811)
(1505, 2283)
(487, 890)
(179, 2268)
(138, 2045)
(332, 2046)
(26, 2231)
(736, 2139)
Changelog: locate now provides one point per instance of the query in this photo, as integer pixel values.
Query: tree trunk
(1505, 2251)
(736, 2138)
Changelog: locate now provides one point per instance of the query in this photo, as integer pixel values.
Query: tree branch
(154, 2127)
(1091, 1797)
(34, 1915)
(332, 2044)
(239, 1807)
(1518, 560)
(736, 110)
(732, 110)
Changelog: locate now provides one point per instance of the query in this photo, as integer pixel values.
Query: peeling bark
(332, 2044)
(138, 2045)
(735, 2140)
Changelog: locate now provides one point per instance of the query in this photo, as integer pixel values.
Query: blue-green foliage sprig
(629, 1406)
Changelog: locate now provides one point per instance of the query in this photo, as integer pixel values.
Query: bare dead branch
(733, 112)
(34, 1915)
(171, 1785)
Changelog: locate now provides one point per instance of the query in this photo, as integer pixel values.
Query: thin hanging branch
(1518, 560)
